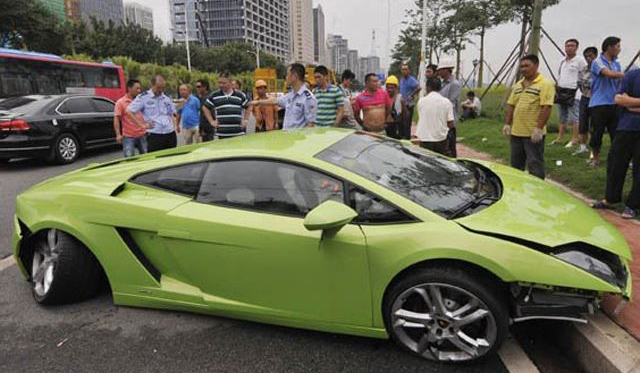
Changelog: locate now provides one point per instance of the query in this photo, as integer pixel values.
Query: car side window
(103, 106)
(78, 105)
(374, 210)
(183, 179)
(267, 186)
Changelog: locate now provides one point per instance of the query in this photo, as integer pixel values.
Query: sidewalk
(627, 315)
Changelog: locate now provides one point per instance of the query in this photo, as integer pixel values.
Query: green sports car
(325, 229)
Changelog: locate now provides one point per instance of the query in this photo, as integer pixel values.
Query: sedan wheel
(443, 315)
(66, 149)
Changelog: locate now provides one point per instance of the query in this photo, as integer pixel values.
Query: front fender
(420, 243)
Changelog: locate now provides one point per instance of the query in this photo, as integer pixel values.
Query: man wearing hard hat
(266, 115)
(398, 108)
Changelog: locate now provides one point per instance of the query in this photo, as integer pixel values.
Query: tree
(26, 24)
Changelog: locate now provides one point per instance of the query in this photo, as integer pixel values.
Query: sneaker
(556, 141)
(569, 145)
(581, 150)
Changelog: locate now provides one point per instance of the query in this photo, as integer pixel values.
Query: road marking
(6, 263)
(515, 359)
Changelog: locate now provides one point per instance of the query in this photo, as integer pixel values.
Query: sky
(587, 20)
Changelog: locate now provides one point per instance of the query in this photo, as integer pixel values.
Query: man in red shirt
(376, 105)
(131, 135)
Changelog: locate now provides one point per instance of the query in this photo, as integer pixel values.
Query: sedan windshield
(23, 105)
(446, 187)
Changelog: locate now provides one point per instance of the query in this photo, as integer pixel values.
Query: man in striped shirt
(228, 105)
(330, 99)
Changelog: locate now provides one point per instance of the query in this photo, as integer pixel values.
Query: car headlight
(600, 263)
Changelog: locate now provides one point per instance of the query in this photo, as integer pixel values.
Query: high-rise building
(353, 62)
(338, 49)
(368, 65)
(301, 15)
(183, 19)
(101, 10)
(264, 24)
(137, 14)
(319, 40)
(56, 7)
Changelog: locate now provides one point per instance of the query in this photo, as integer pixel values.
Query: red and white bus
(28, 73)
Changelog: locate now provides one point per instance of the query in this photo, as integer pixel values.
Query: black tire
(76, 274)
(66, 149)
(489, 292)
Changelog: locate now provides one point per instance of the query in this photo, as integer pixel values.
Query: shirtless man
(376, 105)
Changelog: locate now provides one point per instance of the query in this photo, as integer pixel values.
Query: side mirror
(329, 215)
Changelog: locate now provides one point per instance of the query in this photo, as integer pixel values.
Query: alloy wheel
(67, 148)
(443, 322)
(45, 259)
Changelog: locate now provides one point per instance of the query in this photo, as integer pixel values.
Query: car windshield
(23, 105)
(446, 187)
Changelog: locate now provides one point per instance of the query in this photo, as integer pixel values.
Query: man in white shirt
(567, 92)
(472, 107)
(435, 118)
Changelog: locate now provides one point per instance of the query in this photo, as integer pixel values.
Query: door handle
(174, 233)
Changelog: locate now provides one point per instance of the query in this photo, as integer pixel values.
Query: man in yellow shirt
(528, 111)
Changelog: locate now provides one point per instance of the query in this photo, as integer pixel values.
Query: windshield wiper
(472, 204)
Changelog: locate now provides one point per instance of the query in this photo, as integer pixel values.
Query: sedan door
(78, 114)
(243, 243)
(104, 111)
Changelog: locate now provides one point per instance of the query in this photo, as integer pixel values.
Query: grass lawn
(485, 134)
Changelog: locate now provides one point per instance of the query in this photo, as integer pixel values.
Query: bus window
(111, 78)
(92, 77)
(73, 77)
(14, 84)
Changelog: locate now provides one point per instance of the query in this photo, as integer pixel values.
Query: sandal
(629, 213)
(602, 205)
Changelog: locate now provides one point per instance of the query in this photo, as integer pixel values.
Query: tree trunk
(523, 35)
(534, 45)
(458, 52)
(481, 67)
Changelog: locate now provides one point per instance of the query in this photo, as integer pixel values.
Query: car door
(104, 111)
(243, 243)
(78, 115)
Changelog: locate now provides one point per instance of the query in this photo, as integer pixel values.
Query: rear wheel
(66, 149)
(63, 270)
(446, 314)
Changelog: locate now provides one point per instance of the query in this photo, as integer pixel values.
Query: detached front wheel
(62, 269)
(446, 314)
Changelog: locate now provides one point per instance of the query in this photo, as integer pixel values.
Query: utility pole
(534, 45)
(186, 33)
(423, 51)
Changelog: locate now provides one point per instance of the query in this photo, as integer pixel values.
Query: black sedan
(56, 127)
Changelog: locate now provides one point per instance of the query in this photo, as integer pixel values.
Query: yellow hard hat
(261, 83)
(392, 80)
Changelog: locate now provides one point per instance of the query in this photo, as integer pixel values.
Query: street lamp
(257, 54)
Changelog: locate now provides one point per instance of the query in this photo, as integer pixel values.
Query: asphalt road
(96, 336)
(18, 175)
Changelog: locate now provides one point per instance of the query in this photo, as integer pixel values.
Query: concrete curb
(6, 263)
(601, 346)
(515, 359)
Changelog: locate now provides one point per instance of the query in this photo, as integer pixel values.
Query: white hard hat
(446, 64)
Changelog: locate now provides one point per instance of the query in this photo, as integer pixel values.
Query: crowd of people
(592, 93)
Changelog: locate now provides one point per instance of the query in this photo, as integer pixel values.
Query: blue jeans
(130, 144)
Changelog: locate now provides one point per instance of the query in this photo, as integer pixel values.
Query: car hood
(533, 210)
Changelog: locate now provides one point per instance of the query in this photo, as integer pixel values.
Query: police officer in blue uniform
(159, 112)
(300, 104)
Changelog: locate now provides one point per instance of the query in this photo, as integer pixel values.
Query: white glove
(506, 130)
(537, 135)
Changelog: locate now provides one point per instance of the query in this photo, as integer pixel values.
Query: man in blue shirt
(158, 110)
(606, 73)
(625, 147)
(189, 114)
(409, 88)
